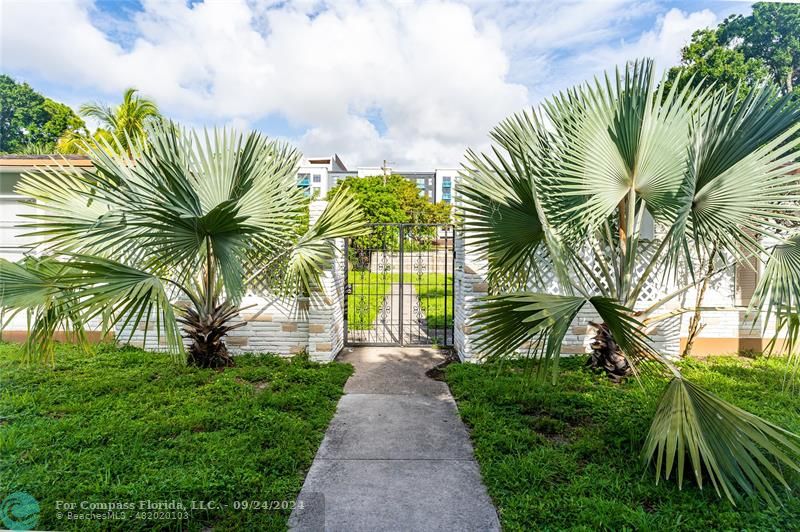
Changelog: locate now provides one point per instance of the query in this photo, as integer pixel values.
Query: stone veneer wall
(287, 327)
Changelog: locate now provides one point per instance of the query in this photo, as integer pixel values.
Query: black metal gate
(400, 286)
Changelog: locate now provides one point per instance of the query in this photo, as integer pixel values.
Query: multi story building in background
(317, 175)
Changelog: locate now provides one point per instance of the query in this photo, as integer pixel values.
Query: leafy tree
(704, 58)
(746, 50)
(770, 34)
(174, 240)
(392, 199)
(62, 119)
(556, 209)
(28, 120)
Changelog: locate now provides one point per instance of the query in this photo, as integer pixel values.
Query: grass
(122, 425)
(370, 290)
(366, 299)
(438, 309)
(567, 457)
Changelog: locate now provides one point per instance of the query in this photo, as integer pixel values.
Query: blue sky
(412, 82)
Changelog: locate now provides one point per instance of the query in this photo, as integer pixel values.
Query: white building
(317, 175)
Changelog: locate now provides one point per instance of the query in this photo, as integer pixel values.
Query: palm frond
(314, 250)
(128, 298)
(778, 296)
(100, 112)
(737, 451)
(742, 177)
(537, 322)
(500, 217)
(34, 286)
(622, 149)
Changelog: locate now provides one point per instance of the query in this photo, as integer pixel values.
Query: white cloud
(438, 74)
(663, 43)
(437, 79)
(555, 45)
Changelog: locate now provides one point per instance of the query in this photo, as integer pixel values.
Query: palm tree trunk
(206, 331)
(606, 354)
(695, 326)
(209, 352)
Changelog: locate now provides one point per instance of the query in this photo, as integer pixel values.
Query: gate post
(470, 285)
(326, 306)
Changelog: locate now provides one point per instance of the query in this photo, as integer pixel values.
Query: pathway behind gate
(396, 455)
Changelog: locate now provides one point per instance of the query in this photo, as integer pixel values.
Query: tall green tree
(31, 122)
(706, 58)
(172, 242)
(391, 199)
(121, 126)
(763, 46)
(557, 210)
(771, 34)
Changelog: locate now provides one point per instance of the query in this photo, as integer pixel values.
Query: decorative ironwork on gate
(400, 286)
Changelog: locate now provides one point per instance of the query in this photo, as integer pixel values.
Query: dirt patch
(437, 372)
(558, 439)
(258, 386)
(553, 430)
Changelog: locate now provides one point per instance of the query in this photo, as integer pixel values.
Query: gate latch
(348, 289)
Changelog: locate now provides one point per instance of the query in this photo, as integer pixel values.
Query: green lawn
(432, 298)
(122, 425)
(566, 457)
(370, 290)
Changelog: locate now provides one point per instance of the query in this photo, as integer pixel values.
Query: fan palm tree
(174, 237)
(120, 126)
(556, 211)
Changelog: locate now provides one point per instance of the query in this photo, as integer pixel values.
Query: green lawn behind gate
(363, 303)
(371, 289)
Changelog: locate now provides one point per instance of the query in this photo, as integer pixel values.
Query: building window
(317, 178)
(302, 180)
(446, 182)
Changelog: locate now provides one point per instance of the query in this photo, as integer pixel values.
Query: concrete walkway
(396, 455)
